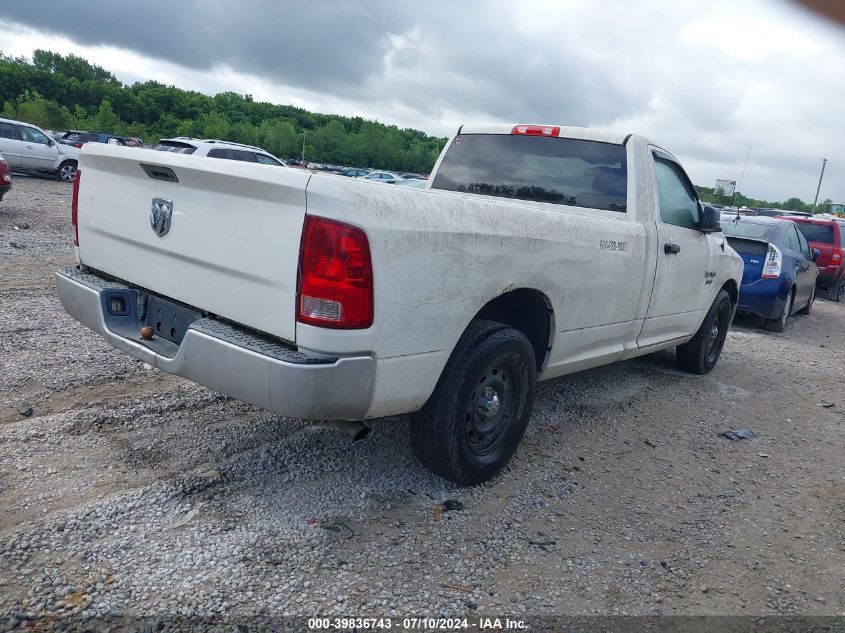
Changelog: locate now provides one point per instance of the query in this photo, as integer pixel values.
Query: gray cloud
(705, 81)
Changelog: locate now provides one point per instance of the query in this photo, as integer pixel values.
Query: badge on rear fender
(160, 216)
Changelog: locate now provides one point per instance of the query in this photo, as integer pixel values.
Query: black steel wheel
(701, 353)
(473, 422)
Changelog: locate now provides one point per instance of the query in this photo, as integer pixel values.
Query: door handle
(671, 249)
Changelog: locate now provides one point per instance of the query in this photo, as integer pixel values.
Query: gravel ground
(132, 492)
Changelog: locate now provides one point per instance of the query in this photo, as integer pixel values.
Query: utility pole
(739, 186)
(303, 146)
(824, 162)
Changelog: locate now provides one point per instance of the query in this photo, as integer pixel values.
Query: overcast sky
(703, 81)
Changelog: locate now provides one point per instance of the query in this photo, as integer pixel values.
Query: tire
(66, 171)
(807, 309)
(473, 422)
(779, 325)
(834, 293)
(701, 353)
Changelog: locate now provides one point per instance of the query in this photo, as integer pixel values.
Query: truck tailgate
(233, 244)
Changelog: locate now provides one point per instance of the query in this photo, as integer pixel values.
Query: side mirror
(815, 254)
(51, 142)
(709, 220)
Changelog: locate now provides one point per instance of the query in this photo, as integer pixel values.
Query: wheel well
(527, 310)
(732, 290)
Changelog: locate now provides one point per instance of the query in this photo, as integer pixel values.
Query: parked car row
(787, 260)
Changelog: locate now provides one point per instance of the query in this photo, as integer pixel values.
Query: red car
(5, 177)
(828, 236)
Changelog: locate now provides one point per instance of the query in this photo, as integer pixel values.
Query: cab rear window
(822, 233)
(562, 171)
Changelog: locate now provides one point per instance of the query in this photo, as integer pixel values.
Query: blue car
(780, 271)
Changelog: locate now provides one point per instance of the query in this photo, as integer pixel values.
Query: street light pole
(824, 162)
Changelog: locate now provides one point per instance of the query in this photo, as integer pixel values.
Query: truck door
(682, 278)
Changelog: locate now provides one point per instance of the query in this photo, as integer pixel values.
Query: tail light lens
(5, 174)
(74, 208)
(774, 262)
(77, 145)
(335, 275)
(836, 257)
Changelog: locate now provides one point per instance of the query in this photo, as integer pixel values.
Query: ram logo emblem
(161, 214)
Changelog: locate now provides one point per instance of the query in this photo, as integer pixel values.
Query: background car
(775, 213)
(826, 235)
(381, 175)
(214, 148)
(356, 173)
(5, 177)
(28, 148)
(78, 138)
(780, 273)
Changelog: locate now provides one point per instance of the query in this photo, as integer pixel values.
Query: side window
(805, 247)
(266, 160)
(678, 202)
(247, 157)
(219, 153)
(792, 239)
(31, 135)
(7, 130)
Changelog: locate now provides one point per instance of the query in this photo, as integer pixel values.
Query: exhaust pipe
(355, 429)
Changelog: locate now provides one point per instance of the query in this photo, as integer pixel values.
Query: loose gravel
(132, 493)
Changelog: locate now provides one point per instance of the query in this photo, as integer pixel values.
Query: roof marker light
(536, 130)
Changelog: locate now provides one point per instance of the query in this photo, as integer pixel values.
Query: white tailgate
(233, 245)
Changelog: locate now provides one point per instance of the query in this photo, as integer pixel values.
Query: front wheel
(66, 171)
(702, 352)
(475, 419)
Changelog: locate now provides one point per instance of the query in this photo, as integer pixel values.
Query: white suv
(214, 148)
(28, 148)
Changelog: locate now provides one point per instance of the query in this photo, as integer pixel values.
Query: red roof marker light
(536, 130)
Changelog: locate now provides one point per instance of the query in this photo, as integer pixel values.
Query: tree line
(717, 196)
(62, 92)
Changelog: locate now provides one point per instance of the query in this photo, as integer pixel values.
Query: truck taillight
(335, 286)
(536, 130)
(5, 173)
(836, 257)
(774, 261)
(74, 208)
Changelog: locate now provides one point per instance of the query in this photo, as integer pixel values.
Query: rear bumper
(233, 360)
(764, 297)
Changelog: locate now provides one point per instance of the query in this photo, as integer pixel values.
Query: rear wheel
(66, 171)
(809, 307)
(475, 419)
(779, 324)
(702, 352)
(835, 292)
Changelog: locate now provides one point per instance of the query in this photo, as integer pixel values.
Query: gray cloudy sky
(706, 80)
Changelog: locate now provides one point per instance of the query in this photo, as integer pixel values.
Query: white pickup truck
(534, 252)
